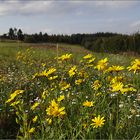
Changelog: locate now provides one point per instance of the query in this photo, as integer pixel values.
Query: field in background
(63, 97)
(8, 51)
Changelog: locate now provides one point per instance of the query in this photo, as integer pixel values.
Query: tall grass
(67, 97)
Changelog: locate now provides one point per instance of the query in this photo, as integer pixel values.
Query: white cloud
(115, 4)
(135, 24)
(106, 3)
(24, 7)
(69, 15)
(35, 6)
(57, 7)
(4, 9)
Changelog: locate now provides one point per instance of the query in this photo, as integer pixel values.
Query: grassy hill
(8, 50)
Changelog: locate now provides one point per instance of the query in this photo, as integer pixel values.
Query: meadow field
(67, 92)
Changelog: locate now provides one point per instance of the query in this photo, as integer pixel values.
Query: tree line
(13, 34)
(113, 44)
(98, 42)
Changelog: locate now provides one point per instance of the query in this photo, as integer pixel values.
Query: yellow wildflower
(115, 69)
(78, 82)
(18, 55)
(54, 110)
(116, 79)
(43, 64)
(53, 77)
(117, 86)
(49, 121)
(88, 104)
(45, 73)
(45, 94)
(135, 66)
(127, 89)
(50, 71)
(98, 121)
(15, 103)
(91, 60)
(72, 71)
(96, 85)
(64, 86)
(34, 106)
(35, 119)
(32, 130)
(89, 65)
(13, 95)
(88, 56)
(65, 57)
(35, 75)
(102, 64)
(62, 97)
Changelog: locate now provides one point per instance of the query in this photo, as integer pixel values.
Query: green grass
(120, 111)
(42, 51)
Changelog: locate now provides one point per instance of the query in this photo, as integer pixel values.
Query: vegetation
(66, 92)
(13, 34)
(114, 44)
(98, 42)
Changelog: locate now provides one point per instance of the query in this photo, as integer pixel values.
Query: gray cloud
(69, 16)
(24, 7)
(58, 7)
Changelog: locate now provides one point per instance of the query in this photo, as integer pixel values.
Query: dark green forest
(98, 42)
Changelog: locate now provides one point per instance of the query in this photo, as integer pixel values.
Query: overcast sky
(70, 16)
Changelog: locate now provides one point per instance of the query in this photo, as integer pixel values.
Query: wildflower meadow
(62, 97)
